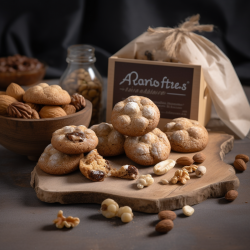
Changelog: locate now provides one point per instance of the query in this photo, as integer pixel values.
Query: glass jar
(82, 77)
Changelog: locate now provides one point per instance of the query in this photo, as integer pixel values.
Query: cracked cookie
(125, 172)
(135, 116)
(148, 149)
(55, 162)
(74, 139)
(94, 167)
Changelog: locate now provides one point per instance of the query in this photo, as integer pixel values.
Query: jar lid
(81, 53)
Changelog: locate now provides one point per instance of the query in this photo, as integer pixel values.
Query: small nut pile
(166, 224)
(68, 222)
(110, 209)
(240, 162)
(145, 181)
(40, 101)
(89, 87)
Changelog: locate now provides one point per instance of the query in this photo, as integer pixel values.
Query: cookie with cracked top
(148, 149)
(135, 116)
(186, 135)
(55, 162)
(110, 141)
(74, 139)
(47, 95)
(94, 167)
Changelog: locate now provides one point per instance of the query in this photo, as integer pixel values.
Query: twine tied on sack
(174, 36)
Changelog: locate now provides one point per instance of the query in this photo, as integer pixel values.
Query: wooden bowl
(30, 137)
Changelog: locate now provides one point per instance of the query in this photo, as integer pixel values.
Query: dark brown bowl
(22, 78)
(30, 137)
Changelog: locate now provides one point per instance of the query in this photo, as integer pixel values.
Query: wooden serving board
(75, 188)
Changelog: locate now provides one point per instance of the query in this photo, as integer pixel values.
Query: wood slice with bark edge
(75, 188)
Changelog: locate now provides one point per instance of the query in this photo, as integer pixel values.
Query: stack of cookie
(66, 153)
(137, 118)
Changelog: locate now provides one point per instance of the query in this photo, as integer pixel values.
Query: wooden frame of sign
(179, 90)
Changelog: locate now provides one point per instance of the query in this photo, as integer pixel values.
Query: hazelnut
(231, 195)
(240, 165)
(164, 226)
(200, 171)
(167, 214)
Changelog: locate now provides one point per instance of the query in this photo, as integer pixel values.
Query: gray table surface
(26, 222)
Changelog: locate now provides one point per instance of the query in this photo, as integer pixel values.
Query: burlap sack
(181, 44)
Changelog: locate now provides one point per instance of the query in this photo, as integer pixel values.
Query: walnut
(19, 110)
(36, 107)
(190, 169)
(78, 101)
(68, 222)
(180, 175)
(69, 109)
(34, 114)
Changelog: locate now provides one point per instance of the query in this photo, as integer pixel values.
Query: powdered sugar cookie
(135, 116)
(94, 167)
(47, 95)
(74, 139)
(110, 141)
(148, 149)
(186, 135)
(54, 162)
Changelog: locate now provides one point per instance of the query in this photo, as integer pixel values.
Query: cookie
(148, 149)
(186, 135)
(135, 116)
(94, 167)
(47, 95)
(110, 141)
(74, 139)
(125, 172)
(54, 162)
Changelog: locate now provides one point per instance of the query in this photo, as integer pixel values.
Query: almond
(167, 214)
(199, 157)
(5, 101)
(164, 226)
(51, 112)
(185, 161)
(240, 165)
(245, 158)
(15, 91)
(231, 195)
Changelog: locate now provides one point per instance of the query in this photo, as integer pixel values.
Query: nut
(199, 158)
(69, 109)
(167, 214)
(19, 110)
(15, 91)
(78, 101)
(51, 112)
(36, 107)
(125, 213)
(164, 226)
(231, 195)
(109, 208)
(164, 181)
(245, 158)
(187, 210)
(240, 165)
(190, 169)
(145, 181)
(185, 161)
(34, 115)
(163, 167)
(200, 171)
(5, 101)
(180, 175)
(68, 222)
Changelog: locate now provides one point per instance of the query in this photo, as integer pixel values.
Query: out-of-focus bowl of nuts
(21, 70)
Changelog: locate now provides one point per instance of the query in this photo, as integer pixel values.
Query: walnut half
(68, 222)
